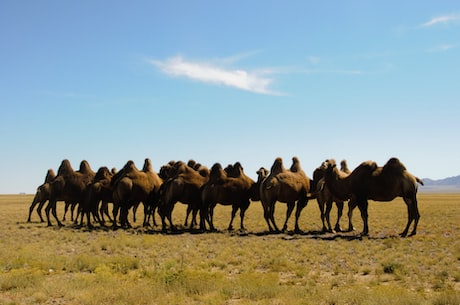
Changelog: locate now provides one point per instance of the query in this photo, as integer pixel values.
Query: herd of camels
(202, 189)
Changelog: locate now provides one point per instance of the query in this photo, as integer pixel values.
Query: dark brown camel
(288, 186)
(235, 191)
(133, 185)
(184, 186)
(325, 198)
(69, 186)
(368, 181)
(99, 191)
(42, 195)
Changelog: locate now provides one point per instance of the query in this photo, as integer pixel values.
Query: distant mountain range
(449, 185)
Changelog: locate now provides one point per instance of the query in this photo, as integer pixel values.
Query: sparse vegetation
(51, 265)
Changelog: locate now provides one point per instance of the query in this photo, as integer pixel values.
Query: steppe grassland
(42, 265)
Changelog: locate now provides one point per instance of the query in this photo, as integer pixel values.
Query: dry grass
(41, 265)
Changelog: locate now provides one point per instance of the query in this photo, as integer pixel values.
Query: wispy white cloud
(212, 73)
(441, 48)
(445, 19)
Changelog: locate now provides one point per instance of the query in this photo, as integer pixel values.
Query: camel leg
(409, 217)
(328, 215)
(416, 215)
(72, 210)
(272, 216)
(339, 205)
(169, 216)
(39, 210)
(147, 210)
(234, 210)
(363, 206)
(153, 214)
(162, 212)
(300, 205)
(351, 206)
(194, 222)
(243, 209)
(47, 212)
(412, 215)
(189, 210)
(321, 205)
(66, 208)
(53, 211)
(290, 208)
(31, 209)
(211, 217)
(116, 208)
(267, 216)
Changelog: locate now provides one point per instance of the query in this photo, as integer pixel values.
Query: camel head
(262, 173)
(102, 173)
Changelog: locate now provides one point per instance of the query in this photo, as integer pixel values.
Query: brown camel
(42, 195)
(183, 186)
(235, 191)
(288, 186)
(325, 198)
(69, 186)
(369, 181)
(99, 191)
(131, 186)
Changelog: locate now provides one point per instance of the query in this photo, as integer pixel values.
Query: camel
(288, 186)
(69, 186)
(183, 186)
(42, 195)
(131, 186)
(99, 190)
(371, 182)
(325, 198)
(220, 188)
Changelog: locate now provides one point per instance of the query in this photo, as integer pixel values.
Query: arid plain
(71, 265)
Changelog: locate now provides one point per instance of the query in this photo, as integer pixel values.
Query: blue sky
(220, 81)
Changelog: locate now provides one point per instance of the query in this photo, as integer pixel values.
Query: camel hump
(344, 166)
(295, 167)
(277, 166)
(50, 175)
(395, 165)
(65, 168)
(148, 167)
(217, 173)
(85, 168)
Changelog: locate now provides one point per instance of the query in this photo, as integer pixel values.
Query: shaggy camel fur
(288, 186)
(42, 195)
(368, 181)
(133, 185)
(325, 198)
(235, 191)
(184, 186)
(69, 186)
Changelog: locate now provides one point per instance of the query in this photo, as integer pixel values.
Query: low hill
(450, 185)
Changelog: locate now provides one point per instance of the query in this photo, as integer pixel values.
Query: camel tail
(419, 180)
